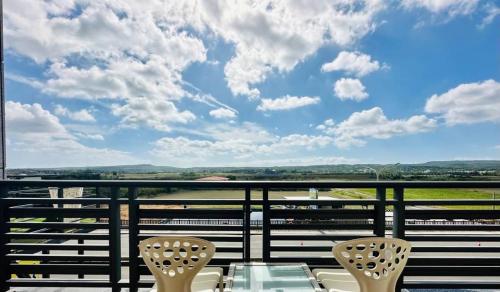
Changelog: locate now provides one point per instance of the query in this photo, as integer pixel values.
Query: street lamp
(378, 172)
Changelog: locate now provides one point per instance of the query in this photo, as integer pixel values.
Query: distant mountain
(341, 168)
(137, 168)
(464, 164)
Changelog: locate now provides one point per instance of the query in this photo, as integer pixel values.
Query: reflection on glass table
(272, 277)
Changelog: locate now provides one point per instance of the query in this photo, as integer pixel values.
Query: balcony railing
(47, 244)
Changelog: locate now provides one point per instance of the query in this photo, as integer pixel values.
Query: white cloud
(302, 161)
(468, 103)
(247, 131)
(492, 11)
(32, 119)
(134, 49)
(82, 115)
(287, 102)
(157, 114)
(242, 143)
(185, 151)
(125, 78)
(223, 113)
(97, 137)
(373, 123)
(38, 139)
(100, 29)
(276, 35)
(451, 8)
(348, 88)
(354, 63)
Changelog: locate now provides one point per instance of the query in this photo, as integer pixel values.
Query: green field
(410, 194)
(230, 194)
(427, 194)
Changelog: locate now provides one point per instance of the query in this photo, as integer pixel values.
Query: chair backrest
(375, 262)
(175, 261)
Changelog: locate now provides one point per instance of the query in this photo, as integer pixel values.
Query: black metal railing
(46, 242)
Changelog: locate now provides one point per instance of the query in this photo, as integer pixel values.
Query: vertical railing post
(398, 216)
(133, 239)
(398, 227)
(4, 262)
(247, 228)
(379, 227)
(114, 239)
(98, 205)
(81, 251)
(266, 228)
(60, 205)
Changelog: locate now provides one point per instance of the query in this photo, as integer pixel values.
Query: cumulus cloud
(348, 88)
(354, 63)
(242, 143)
(373, 123)
(157, 114)
(276, 35)
(223, 113)
(287, 102)
(302, 161)
(270, 36)
(38, 139)
(82, 115)
(468, 103)
(110, 66)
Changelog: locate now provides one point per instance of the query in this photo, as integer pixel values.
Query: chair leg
(221, 283)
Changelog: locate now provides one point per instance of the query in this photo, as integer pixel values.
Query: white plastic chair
(373, 263)
(177, 263)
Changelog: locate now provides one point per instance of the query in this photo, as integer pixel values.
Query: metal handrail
(278, 226)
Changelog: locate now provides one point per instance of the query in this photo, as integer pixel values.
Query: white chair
(177, 263)
(371, 264)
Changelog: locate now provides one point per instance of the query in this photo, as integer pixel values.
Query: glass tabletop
(271, 278)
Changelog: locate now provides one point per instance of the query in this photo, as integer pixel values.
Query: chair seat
(207, 280)
(336, 280)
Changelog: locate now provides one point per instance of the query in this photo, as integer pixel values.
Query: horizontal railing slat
(191, 213)
(452, 214)
(45, 201)
(251, 184)
(55, 257)
(88, 269)
(80, 283)
(48, 246)
(322, 214)
(57, 225)
(323, 226)
(67, 236)
(192, 227)
(63, 212)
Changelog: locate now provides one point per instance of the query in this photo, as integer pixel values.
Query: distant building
(213, 178)
(320, 198)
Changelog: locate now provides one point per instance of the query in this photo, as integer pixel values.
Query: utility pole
(3, 173)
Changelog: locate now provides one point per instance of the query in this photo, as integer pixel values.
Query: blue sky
(251, 83)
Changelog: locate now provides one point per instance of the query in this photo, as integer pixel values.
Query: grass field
(410, 194)
(426, 194)
(230, 194)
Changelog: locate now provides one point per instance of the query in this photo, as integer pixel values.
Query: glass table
(271, 277)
